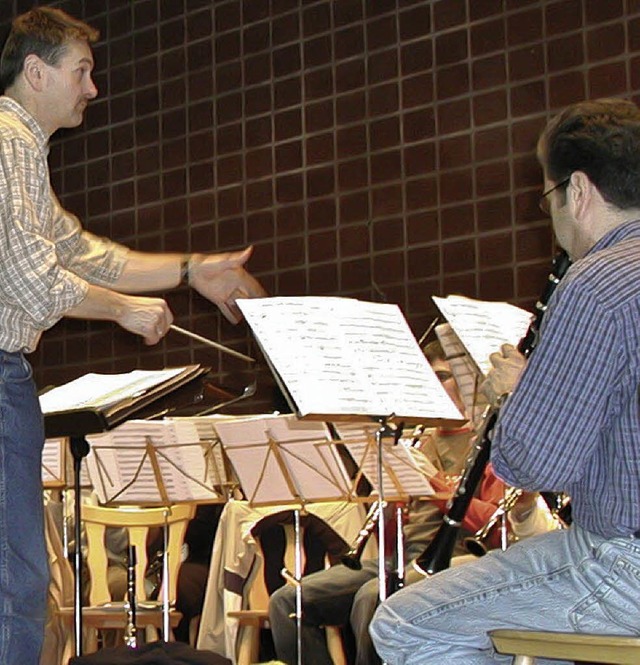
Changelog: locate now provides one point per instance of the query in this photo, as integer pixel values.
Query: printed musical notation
(151, 462)
(484, 326)
(468, 377)
(280, 459)
(104, 390)
(337, 357)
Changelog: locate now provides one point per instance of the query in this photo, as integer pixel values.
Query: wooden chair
(526, 646)
(57, 647)
(104, 613)
(256, 616)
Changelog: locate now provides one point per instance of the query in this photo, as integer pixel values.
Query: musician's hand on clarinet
(223, 279)
(507, 364)
(148, 317)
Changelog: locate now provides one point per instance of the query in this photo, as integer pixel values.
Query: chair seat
(618, 650)
(115, 617)
(260, 616)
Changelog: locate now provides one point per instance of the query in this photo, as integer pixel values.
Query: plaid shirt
(573, 421)
(46, 259)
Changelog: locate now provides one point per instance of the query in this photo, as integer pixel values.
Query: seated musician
(342, 596)
(571, 424)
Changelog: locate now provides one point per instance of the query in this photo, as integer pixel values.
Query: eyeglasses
(543, 201)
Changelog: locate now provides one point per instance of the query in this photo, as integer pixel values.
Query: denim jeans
(566, 581)
(24, 569)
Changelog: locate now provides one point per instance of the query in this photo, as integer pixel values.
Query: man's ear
(34, 71)
(580, 193)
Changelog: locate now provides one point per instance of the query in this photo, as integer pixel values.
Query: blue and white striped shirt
(573, 422)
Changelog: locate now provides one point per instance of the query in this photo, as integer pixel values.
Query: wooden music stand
(283, 461)
(77, 422)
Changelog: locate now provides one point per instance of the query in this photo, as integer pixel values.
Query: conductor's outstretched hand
(223, 279)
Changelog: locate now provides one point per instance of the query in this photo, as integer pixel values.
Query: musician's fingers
(495, 358)
(510, 351)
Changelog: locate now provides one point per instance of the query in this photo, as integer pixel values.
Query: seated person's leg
(364, 607)
(192, 581)
(327, 597)
(445, 619)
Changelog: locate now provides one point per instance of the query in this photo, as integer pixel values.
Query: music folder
(339, 358)
(98, 402)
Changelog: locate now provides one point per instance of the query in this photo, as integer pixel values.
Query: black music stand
(76, 424)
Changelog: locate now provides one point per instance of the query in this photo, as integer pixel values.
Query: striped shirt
(46, 259)
(572, 424)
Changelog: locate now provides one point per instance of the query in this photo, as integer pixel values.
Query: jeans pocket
(612, 607)
(15, 368)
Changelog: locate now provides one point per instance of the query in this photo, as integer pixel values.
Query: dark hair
(45, 32)
(601, 138)
(433, 351)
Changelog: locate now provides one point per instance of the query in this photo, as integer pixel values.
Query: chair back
(137, 522)
(275, 537)
(57, 648)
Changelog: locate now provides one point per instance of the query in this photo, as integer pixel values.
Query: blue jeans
(24, 572)
(566, 581)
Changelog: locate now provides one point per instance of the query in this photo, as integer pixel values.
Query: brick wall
(380, 149)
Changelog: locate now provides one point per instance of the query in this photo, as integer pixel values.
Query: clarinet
(131, 630)
(437, 555)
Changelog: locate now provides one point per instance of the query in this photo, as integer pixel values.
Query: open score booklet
(340, 357)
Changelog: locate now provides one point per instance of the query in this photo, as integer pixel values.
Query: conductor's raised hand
(223, 279)
(148, 317)
(507, 365)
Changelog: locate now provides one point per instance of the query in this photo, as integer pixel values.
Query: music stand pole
(79, 449)
(381, 432)
(298, 574)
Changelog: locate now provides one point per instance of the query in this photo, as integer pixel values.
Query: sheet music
(464, 370)
(104, 390)
(340, 356)
(215, 456)
(242, 431)
(53, 462)
(122, 471)
(356, 429)
(281, 459)
(483, 326)
(405, 470)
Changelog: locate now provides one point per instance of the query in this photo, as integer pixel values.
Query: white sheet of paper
(340, 356)
(315, 473)
(103, 390)
(484, 326)
(53, 472)
(121, 470)
(465, 372)
(410, 468)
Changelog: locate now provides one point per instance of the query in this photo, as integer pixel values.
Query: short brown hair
(433, 351)
(601, 138)
(45, 32)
